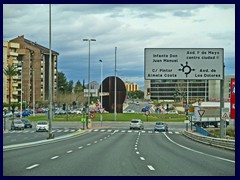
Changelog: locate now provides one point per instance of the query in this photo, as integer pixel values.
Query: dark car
(27, 123)
(161, 126)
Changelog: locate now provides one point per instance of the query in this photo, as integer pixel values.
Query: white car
(42, 126)
(75, 111)
(136, 124)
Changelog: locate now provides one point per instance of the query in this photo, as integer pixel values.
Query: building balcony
(14, 45)
(15, 93)
(13, 53)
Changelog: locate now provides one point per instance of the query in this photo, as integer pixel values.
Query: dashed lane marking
(54, 157)
(33, 166)
(150, 167)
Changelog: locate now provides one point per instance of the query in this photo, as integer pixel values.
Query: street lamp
(89, 40)
(21, 90)
(101, 89)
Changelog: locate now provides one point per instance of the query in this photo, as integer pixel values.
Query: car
(172, 112)
(17, 124)
(136, 124)
(42, 126)
(27, 123)
(7, 114)
(129, 111)
(24, 114)
(60, 112)
(161, 126)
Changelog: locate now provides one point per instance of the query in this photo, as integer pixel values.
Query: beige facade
(33, 60)
(131, 86)
(10, 56)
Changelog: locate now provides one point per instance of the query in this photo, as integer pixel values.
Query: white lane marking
(149, 131)
(137, 152)
(135, 144)
(123, 131)
(59, 130)
(70, 151)
(89, 144)
(102, 130)
(66, 130)
(33, 166)
(142, 158)
(177, 133)
(116, 130)
(109, 130)
(135, 148)
(143, 131)
(105, 137)
(156, 132)
(96, 130)
(72, 130)
(198, 151)
(170, 132)
(54, 157)
(150, 167)
(53, 130)
(129, 131)
(95, 142)
(100, 139)
(80, 147)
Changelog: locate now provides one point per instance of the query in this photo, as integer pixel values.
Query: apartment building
(33, 60)
(10, 56)
(176, 90)
(131, 86)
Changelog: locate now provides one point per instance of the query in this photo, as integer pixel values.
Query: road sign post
(101, 110)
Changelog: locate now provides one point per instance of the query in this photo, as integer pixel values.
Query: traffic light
(148, 91)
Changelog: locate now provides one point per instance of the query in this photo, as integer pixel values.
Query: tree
(62, 82)
(10, 71)
(78, 87)
(70, 86)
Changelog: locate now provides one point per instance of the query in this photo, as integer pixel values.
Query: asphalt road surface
(121, 152)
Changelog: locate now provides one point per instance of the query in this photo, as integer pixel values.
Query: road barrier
(218, 142)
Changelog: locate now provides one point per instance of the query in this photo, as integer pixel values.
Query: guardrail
(218, 142)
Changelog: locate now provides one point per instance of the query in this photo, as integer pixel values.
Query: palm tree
(10, 71)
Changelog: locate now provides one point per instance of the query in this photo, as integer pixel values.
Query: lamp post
(21, 90)
(101, 90)
(33, 72)
(89, 40)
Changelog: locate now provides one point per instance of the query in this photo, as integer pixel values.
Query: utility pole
(115, 87)
(50, 78)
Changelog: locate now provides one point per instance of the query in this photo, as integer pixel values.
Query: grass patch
(120, 117)
(215, 132)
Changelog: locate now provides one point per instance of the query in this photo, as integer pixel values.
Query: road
(121, 152)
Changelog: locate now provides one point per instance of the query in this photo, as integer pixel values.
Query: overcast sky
(130, 28)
